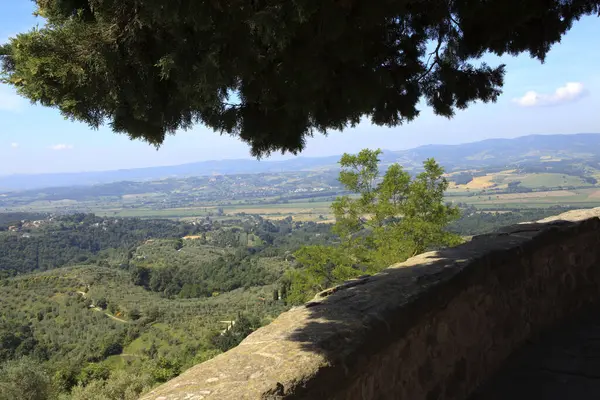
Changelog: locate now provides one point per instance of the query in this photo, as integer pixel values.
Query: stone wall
(433, 327)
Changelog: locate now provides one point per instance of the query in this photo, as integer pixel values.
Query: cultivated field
(506, 189)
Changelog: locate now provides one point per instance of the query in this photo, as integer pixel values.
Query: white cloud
(14, 145)
(570, 92)
(59, 147)
(9, 100)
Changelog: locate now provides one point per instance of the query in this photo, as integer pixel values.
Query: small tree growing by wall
(386, 220)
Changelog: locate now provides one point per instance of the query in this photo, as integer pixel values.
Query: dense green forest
(87, 325)
(252, 253)
(39, 245)
(112, 306)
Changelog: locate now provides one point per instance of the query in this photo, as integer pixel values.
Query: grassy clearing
(537, 195)
(494, 180)
(551, 180)
(137, 196)
(321, 212)
(149, 213)
(301, 211)
(480, 182)
(305, 210)
(501, 180)
(493, 206)
(573, 198)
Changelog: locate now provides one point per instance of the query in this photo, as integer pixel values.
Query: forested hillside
(88, 328)
(99, 304)
(53, 242)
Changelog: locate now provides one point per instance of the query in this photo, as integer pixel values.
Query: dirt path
(93, 307)
(109, 315)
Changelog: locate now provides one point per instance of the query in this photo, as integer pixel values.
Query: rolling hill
(481, 154)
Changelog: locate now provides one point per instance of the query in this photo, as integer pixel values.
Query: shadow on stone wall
(351, 306)
(561, 363)
(355, 326)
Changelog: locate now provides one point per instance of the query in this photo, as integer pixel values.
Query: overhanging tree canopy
(273, 71)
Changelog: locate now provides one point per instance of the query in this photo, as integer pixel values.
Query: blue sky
(560, 96)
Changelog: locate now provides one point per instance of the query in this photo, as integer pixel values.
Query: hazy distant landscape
(531, 149)
(498, 174)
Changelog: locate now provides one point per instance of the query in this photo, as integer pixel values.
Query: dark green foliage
(101, 303)
(134, 314)
(84, 346)
(112, 346)
(24, 379)
(78, 238)
(121, 385)
(93, 372)
(165, 369)
(65, 377)
(462, 178)
(273, 72)
(67, 329)
(200, 268)
(15, 340)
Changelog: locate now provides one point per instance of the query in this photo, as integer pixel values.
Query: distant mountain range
(485, 153)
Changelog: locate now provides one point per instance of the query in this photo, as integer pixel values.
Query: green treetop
(387, 220)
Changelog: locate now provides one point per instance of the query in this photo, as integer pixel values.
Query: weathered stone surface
(433, 327)
(574, 215)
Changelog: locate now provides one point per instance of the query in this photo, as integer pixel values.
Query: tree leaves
(149, 68)
(386, 221)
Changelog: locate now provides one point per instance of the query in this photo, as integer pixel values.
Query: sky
(560, 96)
